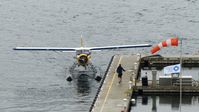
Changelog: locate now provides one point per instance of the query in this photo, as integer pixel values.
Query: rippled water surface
(35, 81)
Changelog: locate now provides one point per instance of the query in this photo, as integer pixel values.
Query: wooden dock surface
(112, 95)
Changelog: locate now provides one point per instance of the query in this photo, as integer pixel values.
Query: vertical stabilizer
(81, 41)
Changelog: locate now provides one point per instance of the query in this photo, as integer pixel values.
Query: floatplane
(83, 57)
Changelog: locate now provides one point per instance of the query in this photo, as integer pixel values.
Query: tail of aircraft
(81, 41)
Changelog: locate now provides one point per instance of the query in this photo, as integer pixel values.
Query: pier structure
(158, 61)
(114, 97)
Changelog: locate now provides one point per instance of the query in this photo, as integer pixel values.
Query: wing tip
(14, 48)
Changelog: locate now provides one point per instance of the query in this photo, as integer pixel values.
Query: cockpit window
(83, 52)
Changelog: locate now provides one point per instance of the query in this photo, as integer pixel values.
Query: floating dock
(114, 97)
(166, 90)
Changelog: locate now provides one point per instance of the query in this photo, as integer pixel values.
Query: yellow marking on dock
(107, 94)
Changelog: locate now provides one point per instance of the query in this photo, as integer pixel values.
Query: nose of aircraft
(83, 60)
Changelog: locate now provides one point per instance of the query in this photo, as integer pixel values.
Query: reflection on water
(83, 85)
(165, 103)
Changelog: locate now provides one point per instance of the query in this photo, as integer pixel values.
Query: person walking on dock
(120, 69)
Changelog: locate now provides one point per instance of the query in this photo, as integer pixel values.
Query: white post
(135, 66)
(125, 104)
(138, 57)
(130, 84)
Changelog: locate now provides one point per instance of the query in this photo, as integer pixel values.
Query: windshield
(83, 52)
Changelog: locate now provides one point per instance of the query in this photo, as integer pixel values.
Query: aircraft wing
(120, 47)
(45, 49)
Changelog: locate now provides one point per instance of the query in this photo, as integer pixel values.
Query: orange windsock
(169, 42)
(155, 49)
(174, 41)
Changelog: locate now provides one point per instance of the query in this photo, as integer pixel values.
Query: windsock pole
(180, 76)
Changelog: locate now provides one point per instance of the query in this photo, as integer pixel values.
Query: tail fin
(81, 42)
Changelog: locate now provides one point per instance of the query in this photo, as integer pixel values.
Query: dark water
(35, 81)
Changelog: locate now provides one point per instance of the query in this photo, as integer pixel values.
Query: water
(165, 103)
(35, 81)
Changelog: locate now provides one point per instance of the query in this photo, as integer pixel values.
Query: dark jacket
(120, 69)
